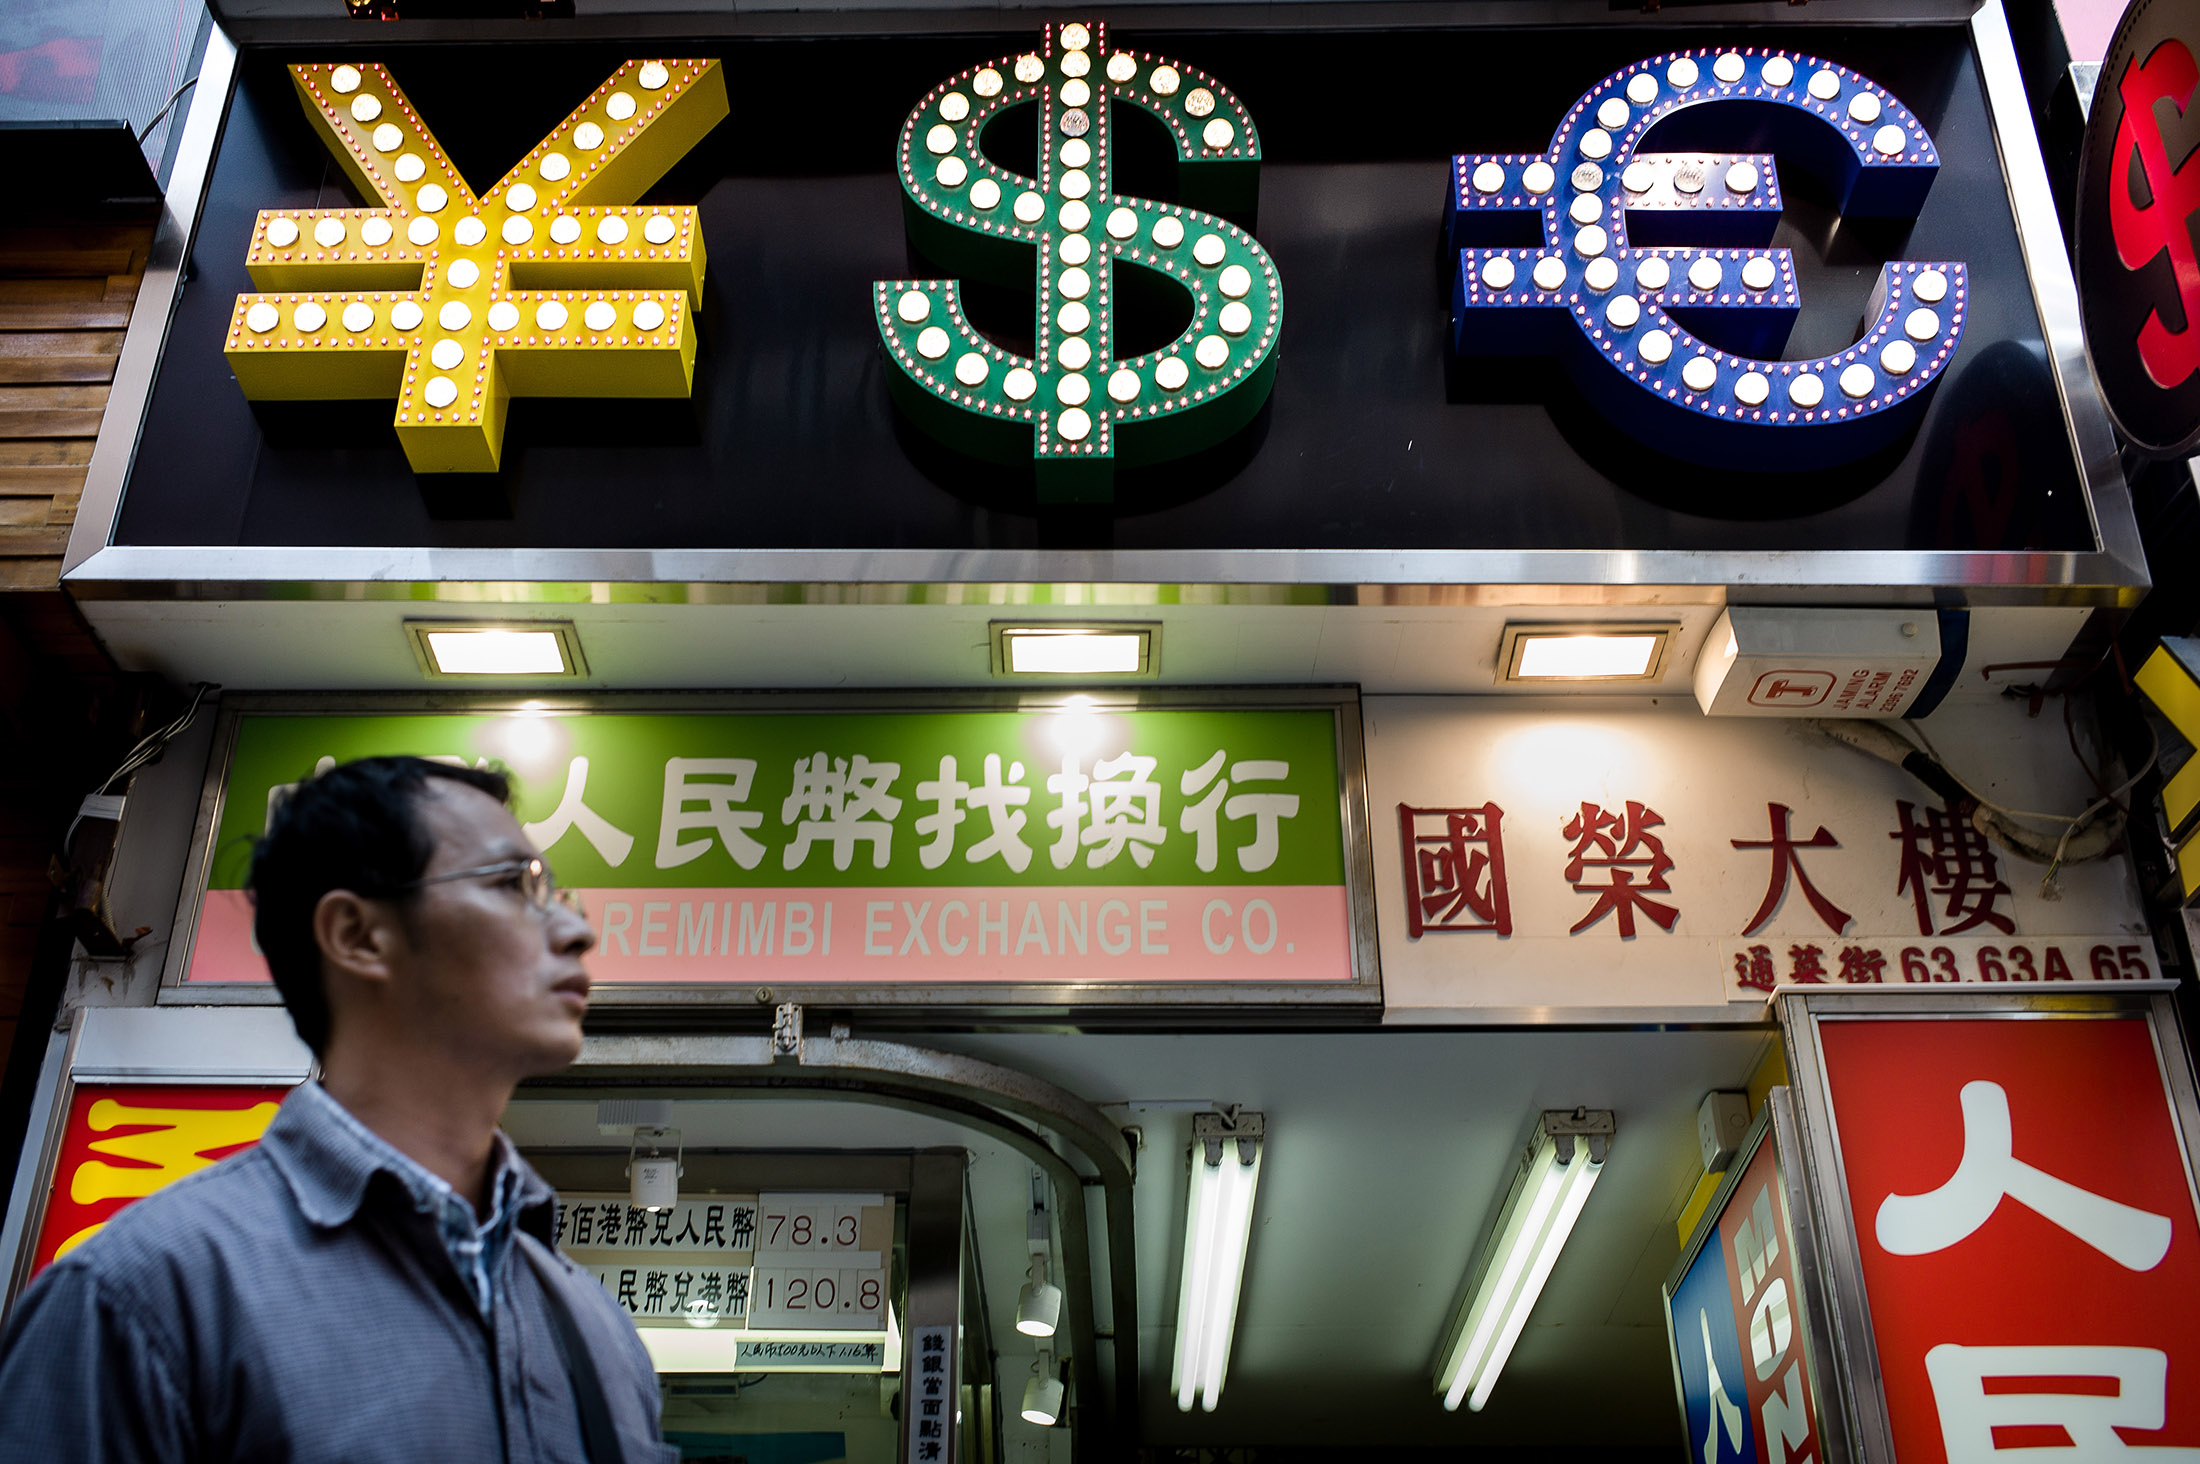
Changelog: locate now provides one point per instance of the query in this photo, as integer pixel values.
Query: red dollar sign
(2165, 223)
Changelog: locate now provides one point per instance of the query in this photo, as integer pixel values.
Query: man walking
(375, 1280)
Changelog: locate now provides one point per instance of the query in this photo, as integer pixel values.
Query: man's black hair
(355, 827)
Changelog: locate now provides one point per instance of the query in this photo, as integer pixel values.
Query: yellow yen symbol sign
(550, 284)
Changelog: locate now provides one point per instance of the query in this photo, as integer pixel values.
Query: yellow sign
(2170, 683)
(550, 284)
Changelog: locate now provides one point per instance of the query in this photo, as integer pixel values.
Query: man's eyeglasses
(530, 877)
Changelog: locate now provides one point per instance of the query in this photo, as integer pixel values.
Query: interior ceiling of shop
(939, 637)
(1389, 1151)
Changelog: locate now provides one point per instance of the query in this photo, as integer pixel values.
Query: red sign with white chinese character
(121, 1144)
(2030, 1251)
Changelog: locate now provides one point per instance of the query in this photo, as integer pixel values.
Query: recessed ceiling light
(496, 648)
(1116, 650)
(1583, 653)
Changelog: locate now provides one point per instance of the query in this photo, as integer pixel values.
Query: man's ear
(358, 937)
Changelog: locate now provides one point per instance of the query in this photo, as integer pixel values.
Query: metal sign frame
(1363, 991)
(1855, 1350)
(2112, 573)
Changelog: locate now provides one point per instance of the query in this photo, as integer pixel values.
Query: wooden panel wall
(65, 295)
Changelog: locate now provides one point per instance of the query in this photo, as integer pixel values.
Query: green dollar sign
(1072, 409)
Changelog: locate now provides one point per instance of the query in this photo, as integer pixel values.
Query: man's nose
(570, 934)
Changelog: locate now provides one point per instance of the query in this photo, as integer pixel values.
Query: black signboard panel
(1372, 440)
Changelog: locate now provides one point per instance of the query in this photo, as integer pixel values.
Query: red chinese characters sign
(2026, 1227)
(121, 1144)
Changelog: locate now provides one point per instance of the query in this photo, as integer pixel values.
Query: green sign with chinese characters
(1085, 844)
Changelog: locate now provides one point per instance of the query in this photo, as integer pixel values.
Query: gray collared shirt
(299, 1302)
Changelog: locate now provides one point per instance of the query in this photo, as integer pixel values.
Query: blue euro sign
(1613, 281)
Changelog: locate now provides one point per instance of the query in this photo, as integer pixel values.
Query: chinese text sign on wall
(2027, 1236)
(1088, 845)
(1534, 854)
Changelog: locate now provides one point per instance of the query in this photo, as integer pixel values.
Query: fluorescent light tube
(1074, 653)
(1539, 1214)
(1585, 657)
(1581, 1177)
(1516, 1242)
(1217, 1233)
(496, 652)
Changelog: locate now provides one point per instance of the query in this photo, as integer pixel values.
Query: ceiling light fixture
(1226, 1153)
(534, 649)
(1117, 650)
(1039, 1304)
(1536, 653)
(1043, 1394)
(1557, 1170)
(654, 1178)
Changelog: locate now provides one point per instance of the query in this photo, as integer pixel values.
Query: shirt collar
(328, 1157)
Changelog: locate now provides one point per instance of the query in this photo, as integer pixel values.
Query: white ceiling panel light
(1092, 649)
(533, 649)
(1564, 653)
(1557, 1170)
(1226, 1155)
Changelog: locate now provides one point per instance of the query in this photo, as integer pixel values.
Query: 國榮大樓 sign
(1535, 854)
(1090, 844)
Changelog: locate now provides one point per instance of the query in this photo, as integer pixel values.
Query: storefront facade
(1061, 690)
